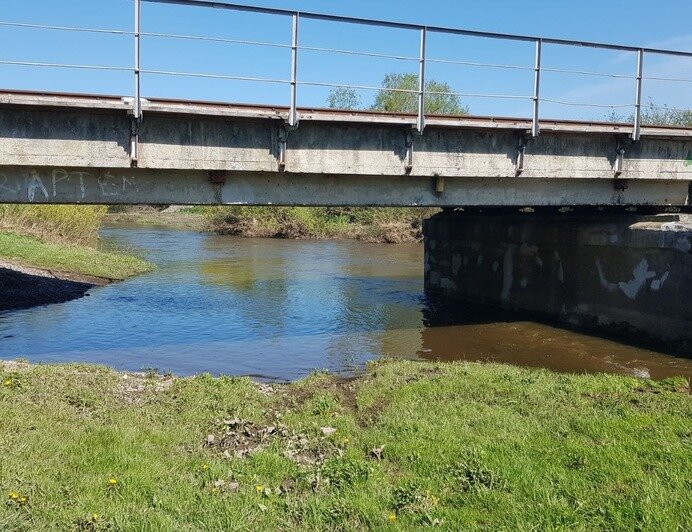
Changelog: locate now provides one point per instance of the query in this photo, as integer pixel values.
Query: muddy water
(278, 309)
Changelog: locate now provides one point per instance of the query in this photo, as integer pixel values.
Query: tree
(392, 97)
(343, 98)
(657, 115)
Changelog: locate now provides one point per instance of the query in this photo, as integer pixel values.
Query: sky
(662, 24)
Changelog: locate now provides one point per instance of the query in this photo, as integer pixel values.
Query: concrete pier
(629, 275)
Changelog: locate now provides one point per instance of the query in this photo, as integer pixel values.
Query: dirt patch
(344, 388)
(14, 366)
(135, 388)
(239, 438)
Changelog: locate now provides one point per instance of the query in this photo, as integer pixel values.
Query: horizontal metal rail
(358, 53)
(422, 91)
(674, 80)
(64, 28)
(214, 39)
(66, 65)
(213, 76)
(476, 64)
(409, 26)
(586, 104)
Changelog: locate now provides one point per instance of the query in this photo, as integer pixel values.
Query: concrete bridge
(57, 148)
(590, 260)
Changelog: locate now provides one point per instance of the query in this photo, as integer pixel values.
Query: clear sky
(665, 24)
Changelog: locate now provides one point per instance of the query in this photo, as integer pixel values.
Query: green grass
(71, 224)
(31, 251)
(370, 224)
(461, 446)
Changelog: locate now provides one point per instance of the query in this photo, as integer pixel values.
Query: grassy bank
(71, 258)
(63, 238)
(62, 224)
(393, 225)
(407, 445)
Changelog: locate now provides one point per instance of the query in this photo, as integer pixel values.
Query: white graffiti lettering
(59, 175)
(35, 184)
(112, 185)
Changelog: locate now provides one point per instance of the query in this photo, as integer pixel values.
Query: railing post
(420, 123)
(536, 87)
(636, 131)
(137, 104)
(293, 112)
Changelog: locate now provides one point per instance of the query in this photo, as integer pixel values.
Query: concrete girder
(50, 184)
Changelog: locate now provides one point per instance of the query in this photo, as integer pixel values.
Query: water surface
(278, 309)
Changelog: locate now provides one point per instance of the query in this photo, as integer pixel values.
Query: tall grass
(64, 224)
(371, 224)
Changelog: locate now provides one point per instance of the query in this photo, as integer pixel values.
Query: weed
(345, 472)
(472, 475)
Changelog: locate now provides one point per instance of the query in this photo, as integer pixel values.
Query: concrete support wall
(622, 274)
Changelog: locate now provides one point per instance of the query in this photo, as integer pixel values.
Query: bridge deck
(236, 110)
(62, 148)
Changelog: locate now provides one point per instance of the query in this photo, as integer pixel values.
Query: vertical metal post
(137, 105)
(293, 113)
(420, 123)
(636, 131)
(536, 87)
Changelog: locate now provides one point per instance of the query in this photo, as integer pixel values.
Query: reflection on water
(279, 309)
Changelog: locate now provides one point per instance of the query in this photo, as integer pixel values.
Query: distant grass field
(73, 258)
(407, 445)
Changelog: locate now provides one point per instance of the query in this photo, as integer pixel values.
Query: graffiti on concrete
(36, 184)
(113, 186)
(58, 182)
(640, 275)
(59, 175)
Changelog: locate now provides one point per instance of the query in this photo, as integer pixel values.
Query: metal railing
(422, 59)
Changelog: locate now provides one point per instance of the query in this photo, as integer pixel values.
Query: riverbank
(404, 445)
(371, 224)
(182, 219)
(34, 272)
(366, 224)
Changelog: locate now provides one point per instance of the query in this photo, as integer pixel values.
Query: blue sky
(665, 24)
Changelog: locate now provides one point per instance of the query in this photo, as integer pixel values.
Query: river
(278, 309)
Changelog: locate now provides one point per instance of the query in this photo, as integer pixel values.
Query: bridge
(580, 264)
(59, 148)
(137, 148)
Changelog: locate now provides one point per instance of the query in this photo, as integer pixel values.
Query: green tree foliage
(343, 98)
(658, 115)
(395, 98)
(392, 98)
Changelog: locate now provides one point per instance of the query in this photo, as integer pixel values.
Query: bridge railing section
(423, 61)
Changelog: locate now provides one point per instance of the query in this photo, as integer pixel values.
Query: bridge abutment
(623, 274)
